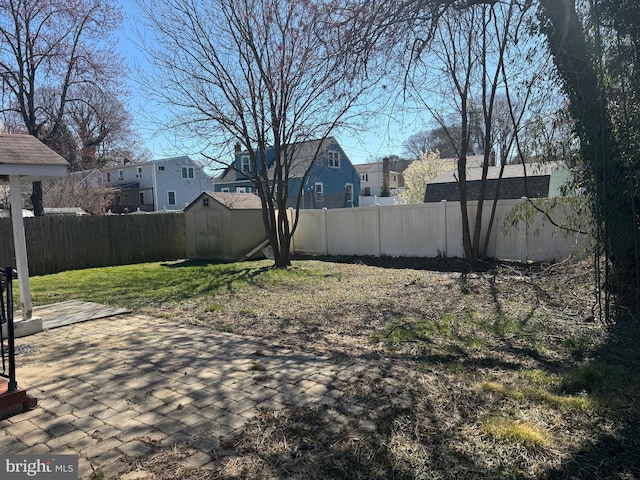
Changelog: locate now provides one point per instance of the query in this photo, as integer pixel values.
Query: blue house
(333, 181)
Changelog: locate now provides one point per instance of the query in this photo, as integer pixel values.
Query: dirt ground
(473, 352)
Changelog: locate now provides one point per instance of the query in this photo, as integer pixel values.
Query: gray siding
(510, 188)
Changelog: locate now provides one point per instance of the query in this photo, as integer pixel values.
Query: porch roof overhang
(26, 157)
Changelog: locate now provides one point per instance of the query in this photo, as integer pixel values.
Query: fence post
(446, 227)
(525, 250)
(326, 231)
(379, 231)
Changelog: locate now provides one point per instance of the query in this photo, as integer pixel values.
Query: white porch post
(20, 246)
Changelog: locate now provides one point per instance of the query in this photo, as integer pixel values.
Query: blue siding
(333, 179)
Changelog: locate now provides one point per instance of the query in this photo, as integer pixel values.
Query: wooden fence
(56, 243)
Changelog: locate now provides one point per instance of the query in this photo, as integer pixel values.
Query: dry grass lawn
(502, 373)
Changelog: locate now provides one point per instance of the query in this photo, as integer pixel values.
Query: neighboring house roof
(6, 213)
(303, 153)
(366, 167)
(231, 200)
(65, 211)
(180, 159)
(372, 167)
(510, 171)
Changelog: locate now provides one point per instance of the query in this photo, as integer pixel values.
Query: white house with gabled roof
(162, 184)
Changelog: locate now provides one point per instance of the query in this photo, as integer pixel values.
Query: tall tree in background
(101, 125)
(266, 74)
(49, 51)
(418, 144)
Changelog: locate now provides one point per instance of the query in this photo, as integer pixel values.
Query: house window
(241, 189)
(139, 172)
(348, 190)
(141, 198)
(365, 177)
(319, 188)
(205, 202)
(120, 175)
(187, 172)
(224, 189)
(171, 197)
(246, 164)
(161, 168)
(334, 159)
(108, 177)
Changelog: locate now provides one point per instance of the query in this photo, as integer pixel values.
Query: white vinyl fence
(430, 230)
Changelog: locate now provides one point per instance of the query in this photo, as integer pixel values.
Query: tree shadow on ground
(434, 264)
(612, 376)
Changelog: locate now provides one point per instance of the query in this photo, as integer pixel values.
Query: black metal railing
(7, 338)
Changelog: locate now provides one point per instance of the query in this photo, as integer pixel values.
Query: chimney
(385, 177)
(237, 147)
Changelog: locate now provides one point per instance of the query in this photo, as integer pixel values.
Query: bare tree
(101, 125)
(480, 67)
(46, 50)
(418, 144)
(79, 189)
(260, 73)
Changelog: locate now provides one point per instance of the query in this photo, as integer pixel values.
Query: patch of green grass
(504, 325)
(257, 367)
(226, 328)
(577, 346)
(98, 475)
(449, 327)
(595, 377)
(214, 307)
(539, 378)
(134, 286)
(474, 343)
(515, 432)
(396, 332)
(541, 395)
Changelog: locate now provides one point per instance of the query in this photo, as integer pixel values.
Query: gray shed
(224, 226)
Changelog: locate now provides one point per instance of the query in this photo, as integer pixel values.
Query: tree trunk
(36, 199)
(610, 179)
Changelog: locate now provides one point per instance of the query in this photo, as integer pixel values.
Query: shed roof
(510, 171)
(25, 155)
(231, 200)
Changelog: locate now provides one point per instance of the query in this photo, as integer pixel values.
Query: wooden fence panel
(58, 243)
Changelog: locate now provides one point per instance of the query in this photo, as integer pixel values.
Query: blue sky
(381, 138)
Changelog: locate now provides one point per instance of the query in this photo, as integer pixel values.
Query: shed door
(209, 234)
